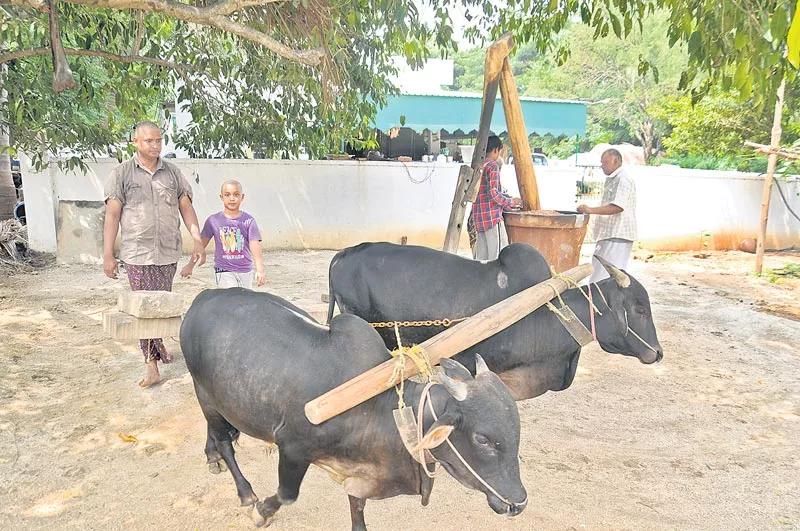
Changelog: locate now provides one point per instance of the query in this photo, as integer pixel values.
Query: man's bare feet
(152, 376)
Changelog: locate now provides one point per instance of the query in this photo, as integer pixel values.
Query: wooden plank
(120, 325)
(469, 177)
(445, 345)
(520, 146)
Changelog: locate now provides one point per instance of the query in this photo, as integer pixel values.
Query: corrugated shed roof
(453, 111)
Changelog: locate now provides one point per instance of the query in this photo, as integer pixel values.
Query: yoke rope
(417, 355)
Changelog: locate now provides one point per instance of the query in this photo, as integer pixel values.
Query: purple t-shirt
(232, 239)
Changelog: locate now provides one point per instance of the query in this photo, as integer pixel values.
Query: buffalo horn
(622, 279)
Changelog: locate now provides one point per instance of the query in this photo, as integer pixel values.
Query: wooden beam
(118, 325)
(772, 161)
(521, 148)
(469, 177)
(460, 337)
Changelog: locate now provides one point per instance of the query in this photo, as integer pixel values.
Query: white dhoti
(616, 251)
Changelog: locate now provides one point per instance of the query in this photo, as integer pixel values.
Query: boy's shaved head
(237, 184)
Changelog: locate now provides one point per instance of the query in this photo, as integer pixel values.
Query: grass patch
(788, 271)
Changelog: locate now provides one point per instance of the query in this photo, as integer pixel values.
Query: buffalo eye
(482, 440)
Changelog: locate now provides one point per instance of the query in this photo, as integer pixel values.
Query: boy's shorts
(231, 279)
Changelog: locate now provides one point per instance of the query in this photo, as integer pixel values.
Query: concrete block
(120, 325)
(151, 304)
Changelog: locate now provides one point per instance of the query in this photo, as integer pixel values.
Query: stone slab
(151, 304)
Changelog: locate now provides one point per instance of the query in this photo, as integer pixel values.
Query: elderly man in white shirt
(615, 226)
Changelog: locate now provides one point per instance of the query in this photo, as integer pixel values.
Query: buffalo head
(478, 419)
(628, 328)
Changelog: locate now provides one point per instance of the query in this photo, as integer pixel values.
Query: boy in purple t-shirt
(237, 242)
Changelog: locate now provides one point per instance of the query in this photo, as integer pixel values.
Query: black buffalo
(383, 282)
(256, 359)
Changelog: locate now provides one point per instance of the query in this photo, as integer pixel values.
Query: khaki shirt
(620, 190)
(150, 223)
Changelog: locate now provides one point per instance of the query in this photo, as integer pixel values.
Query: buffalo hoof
(217, 467)
(250, 500)
(255, 515)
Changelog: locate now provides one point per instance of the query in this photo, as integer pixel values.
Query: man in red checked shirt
(487, 211)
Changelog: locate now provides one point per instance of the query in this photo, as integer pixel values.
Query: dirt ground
(707, 439)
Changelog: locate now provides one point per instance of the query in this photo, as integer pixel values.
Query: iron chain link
(430, 322)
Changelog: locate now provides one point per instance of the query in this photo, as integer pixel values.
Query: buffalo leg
(222, 434)
(213, 458)
(290, 476)
(357, 513)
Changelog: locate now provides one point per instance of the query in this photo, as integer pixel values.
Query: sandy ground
(707, 439)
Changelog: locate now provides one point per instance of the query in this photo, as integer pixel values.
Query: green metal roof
(454, 111)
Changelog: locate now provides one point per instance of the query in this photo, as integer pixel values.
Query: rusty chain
(430, 322)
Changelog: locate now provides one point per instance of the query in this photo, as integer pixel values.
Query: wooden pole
(469, 177)
(460, 337)
(771, 163)
(523, 163)
(781, 152)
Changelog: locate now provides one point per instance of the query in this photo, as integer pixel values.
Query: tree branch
(137, 41)
(94, 53)
(227, 7)
(212, 16)
(39, 5)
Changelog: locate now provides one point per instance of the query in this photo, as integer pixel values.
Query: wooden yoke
(445, 345)
(520, 147)
(469, 177)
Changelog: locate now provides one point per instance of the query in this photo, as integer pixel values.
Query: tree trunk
(8, 194)
(648, 140)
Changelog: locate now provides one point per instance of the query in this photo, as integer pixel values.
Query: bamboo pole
(781, 152)
(469, 177)
(460, 337)
(772, 161)
(523, 163)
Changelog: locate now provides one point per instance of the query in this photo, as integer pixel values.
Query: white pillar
(40, 206)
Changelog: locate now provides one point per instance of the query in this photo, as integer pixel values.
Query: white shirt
(620, 190)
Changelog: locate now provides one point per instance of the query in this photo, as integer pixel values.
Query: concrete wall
(333, 204)
(675, 206)
(298, 204)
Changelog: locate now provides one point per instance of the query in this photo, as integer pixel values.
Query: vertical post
(523, 163)
(771, 163)
(469, 177)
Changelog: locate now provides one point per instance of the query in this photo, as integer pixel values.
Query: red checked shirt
(487, 211)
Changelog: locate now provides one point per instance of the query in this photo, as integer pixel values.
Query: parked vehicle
(539, 159)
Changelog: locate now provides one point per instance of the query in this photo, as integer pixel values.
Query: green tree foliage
(716, 126)
(259, 75)
(732, 43)
(109, 97)
(608, 72)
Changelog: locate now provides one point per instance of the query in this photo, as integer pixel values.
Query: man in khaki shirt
(144, 198)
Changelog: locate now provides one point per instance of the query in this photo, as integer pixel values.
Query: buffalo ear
(457, 388)
(620, 315)
(435, 436)
(455, 370)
